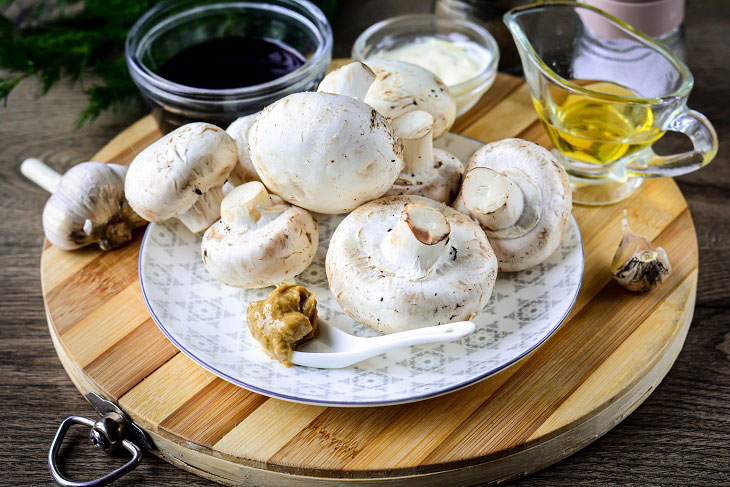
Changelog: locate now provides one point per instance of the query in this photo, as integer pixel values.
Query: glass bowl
(171, 26)
(397, 30)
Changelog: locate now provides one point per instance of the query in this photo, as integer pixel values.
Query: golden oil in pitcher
(596, 131)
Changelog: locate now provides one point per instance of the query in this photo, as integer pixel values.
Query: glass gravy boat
(605, 93)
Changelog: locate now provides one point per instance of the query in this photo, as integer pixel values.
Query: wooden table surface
(679, 436)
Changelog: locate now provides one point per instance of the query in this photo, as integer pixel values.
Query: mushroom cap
(91, 191)
(382, 297)
(352, 79)
(551, 180)
(173, 173)
(266, 255)
(326, 153)
(441, 185)
(401, 87)
(244, 170)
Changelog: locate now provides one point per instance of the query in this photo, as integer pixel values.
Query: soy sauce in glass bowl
(214, 61)
(231, 62)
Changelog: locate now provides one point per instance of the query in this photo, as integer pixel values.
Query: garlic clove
(637, 265)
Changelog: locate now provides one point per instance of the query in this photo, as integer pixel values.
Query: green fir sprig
(89, 41)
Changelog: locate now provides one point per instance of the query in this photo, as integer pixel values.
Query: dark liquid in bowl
(231, 62)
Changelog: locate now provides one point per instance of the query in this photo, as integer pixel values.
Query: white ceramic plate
(207, 321)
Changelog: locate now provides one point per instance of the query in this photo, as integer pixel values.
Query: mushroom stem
(243, 207)
(417, 240)
(415, 129)
(352, 80)
(204, 212)
(41, 174)
(496, 201)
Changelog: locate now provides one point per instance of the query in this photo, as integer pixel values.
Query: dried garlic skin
(637, 265)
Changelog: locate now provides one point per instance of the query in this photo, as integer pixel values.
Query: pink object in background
(655, 18)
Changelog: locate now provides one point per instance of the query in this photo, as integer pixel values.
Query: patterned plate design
(206, 321)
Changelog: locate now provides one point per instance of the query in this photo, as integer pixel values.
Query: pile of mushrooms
(520, 195)
(405, 262)
(260, 240)
(362, 144)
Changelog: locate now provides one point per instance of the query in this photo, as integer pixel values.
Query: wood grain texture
(678, 436)
(494, 435)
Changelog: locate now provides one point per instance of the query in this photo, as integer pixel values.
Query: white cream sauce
(454, 59)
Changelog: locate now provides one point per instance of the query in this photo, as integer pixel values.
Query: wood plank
(211, 413)
(335, 437)
(503, 86)
(131, 359)
(410, 437)
(57, 264)
(508, 118)
(81, 293)
(265, 431)
(125, 146)
(165, 390)
(106, 325)
(623, 366)
(535, 132)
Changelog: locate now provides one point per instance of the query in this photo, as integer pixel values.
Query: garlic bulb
(637, 265)
(87, 205)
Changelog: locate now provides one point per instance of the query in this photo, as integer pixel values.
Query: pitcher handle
(704, 139)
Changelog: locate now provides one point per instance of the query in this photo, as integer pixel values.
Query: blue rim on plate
(470, 381)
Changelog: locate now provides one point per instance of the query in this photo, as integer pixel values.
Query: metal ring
(110, 477)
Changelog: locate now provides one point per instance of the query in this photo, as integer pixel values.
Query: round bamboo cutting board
(612, 351)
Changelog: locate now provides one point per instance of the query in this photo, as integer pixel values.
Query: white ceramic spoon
(335, 349)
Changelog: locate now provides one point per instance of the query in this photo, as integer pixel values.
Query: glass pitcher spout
(605, 93)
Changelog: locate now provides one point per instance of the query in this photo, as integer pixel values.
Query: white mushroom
(324, 152)
(520, 195)
(181, 175)
(244, 171)
(402, 87)
(260, 240)
(87, 204)
(404, 262)
(429, 172)
(353, 79)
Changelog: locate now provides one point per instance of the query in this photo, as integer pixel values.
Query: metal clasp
(114, 430)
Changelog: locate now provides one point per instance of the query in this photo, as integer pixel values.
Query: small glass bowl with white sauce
(462, 53)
